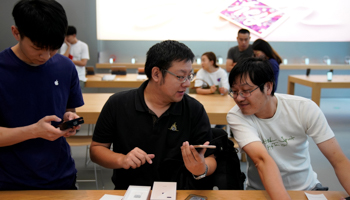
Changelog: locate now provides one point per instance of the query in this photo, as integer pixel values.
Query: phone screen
(195, 197)
(329, 76)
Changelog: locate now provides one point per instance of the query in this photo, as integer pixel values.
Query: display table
(180, 194)
(195, 65)
(216, 106)
(120, 81)
(317, 82)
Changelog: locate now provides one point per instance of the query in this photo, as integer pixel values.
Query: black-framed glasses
(182, 79)
(243, 94)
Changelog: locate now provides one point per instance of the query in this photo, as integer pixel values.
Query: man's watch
(203, 175)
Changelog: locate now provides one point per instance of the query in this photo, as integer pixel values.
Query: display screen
(220, 20)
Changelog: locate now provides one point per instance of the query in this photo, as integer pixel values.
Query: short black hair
(258, 70)
(44, 22)
(243, 31)
(71, 30)
(162, 55)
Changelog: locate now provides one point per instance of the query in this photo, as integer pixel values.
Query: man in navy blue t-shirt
(38, 89)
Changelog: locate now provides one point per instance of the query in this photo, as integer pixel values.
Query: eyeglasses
(243, 94)
(182, 79)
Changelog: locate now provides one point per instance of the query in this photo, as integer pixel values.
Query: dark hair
(212, 57)
(265, 47)
(162, 55)
(243, 31)
(258, 70)
(44, 22)
(71, 30)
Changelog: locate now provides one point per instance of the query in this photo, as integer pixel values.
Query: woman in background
(262, 49)
(212, 76)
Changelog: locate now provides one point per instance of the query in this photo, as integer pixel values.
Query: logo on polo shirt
(56, 82)
(173, 127)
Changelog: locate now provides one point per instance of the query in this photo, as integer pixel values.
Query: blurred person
(243, 50)
(211, 75)
(263, 50)
(78, 52)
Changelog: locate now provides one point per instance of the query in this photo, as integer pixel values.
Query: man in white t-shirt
(77, 51)
(273, 130)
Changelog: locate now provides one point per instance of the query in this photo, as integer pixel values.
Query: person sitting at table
(153, 128)
(273, 130)
(211, 75)
(262, 49)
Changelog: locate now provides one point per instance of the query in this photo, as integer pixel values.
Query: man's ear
(156, 74)
(269, 88)
(15, 33)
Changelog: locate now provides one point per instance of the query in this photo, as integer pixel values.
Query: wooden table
(317, 82)
(216, 106)
(180, 194)
(120, 81)
(139, 65)
(315, 66)
(195, 65)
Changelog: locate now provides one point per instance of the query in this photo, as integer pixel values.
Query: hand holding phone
(205, 146)
(70, 124)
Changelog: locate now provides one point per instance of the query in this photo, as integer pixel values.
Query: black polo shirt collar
(140, 104)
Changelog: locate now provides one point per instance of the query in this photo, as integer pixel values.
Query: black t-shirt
(126, 122)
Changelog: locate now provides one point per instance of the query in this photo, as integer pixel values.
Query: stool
(85, 141)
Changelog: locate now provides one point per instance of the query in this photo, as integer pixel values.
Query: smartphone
(195, 197)
(70, 124)
(205, 146)
(330, 75)
(308, 71)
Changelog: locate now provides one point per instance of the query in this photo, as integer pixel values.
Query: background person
(273, 130)
(168, 122)
(78, 52)
(211, 74)
(263, 50)
(243, 50)
(38, 88)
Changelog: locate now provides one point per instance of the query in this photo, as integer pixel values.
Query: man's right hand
(135, 158)
(44, 129)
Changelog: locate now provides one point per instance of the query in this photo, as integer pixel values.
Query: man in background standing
(243, 50)
(78, 52)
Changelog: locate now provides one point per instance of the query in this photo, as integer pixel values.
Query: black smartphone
(71, 123)
(195, 197)
(308, 71)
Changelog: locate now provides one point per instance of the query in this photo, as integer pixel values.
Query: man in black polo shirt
(153, 128)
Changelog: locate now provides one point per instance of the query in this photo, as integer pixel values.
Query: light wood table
(216, 106)
(180, 194)
(195, 65)
(317, 82)
(139, 65)
(315, 66)
(120, 81)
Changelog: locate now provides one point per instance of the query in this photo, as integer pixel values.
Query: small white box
(137, 193)
(164, 191)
